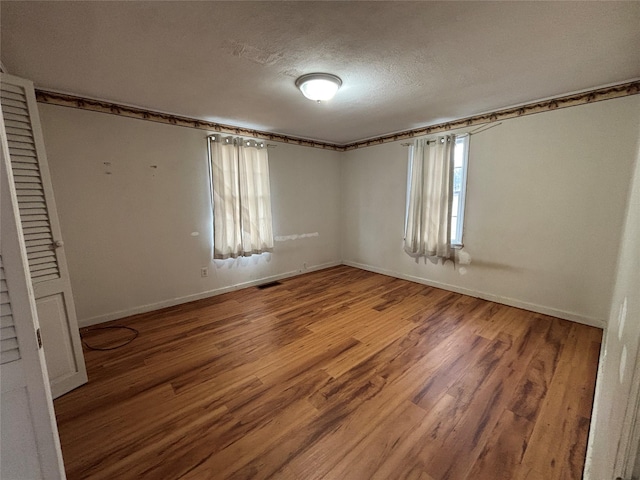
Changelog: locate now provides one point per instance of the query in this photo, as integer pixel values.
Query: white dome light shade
(318, 86)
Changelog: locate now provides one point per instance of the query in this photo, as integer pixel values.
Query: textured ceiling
(403, 64)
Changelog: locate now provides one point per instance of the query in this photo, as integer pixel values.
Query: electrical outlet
(204, 272)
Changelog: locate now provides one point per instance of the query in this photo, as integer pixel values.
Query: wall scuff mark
(286, 238)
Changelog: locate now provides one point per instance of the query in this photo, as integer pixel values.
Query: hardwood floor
(337, 374)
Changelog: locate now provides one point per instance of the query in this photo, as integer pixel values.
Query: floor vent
(268, 285)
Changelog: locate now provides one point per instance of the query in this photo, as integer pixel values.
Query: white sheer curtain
(428, 230)
(241, 197)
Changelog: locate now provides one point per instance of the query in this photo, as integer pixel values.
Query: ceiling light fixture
(318, 86)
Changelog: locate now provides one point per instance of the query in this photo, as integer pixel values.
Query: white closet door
(29, 443)
(41, 230)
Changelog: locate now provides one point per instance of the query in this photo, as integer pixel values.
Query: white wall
(546, 199)
(129, 235)
(545, 207)
(613, 407)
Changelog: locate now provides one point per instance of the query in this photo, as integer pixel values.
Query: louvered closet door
(45, 253)
(9, 351)
(29, 444)
(19, 434)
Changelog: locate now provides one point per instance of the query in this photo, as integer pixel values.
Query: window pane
(458, 154)
(454, 228)
(457, 180)
(459, 186)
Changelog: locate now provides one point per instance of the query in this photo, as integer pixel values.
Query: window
(436, 184)
(241, 197)
(460, 161)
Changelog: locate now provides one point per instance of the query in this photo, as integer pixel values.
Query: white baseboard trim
(512, 302)
(87, 322)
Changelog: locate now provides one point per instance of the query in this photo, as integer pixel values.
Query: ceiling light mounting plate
(319, 86)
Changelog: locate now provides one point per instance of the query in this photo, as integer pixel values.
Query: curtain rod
(268, 145)
(410, 144)
(481, 129)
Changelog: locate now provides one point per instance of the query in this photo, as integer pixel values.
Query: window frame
(457, 239)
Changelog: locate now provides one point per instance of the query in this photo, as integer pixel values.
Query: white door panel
(16, 424)
(61, 363)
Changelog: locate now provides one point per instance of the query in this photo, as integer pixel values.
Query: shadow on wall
(461, 266)
(496, 266)
(463, 259)
(242, 262)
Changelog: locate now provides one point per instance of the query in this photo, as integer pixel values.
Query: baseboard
(87, 322)
(512, 302)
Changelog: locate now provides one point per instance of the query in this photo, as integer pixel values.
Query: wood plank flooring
(338, 374)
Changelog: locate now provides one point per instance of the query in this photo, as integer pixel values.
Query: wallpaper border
(590, 96)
